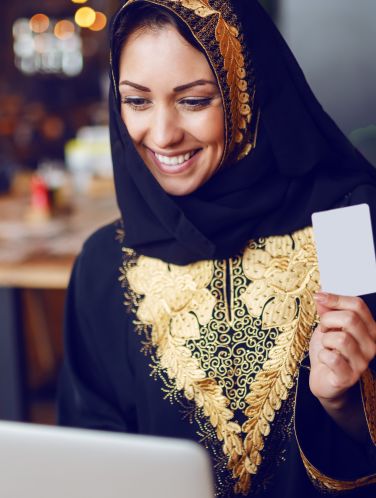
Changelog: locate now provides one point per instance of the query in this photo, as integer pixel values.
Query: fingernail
(321, 297)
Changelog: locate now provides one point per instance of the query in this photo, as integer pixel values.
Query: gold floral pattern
(284, 277)
(267, 288)
(176, 302)
(199, 7)
(175, 297)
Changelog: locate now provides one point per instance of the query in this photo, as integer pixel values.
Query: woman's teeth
(175, 160)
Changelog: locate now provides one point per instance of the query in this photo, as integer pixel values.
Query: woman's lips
(173, 169)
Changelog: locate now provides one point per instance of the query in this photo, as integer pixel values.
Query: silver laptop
(52, 462)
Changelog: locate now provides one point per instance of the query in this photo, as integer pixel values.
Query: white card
(345, 250)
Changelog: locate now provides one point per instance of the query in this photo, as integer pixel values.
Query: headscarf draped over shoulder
(284, 157)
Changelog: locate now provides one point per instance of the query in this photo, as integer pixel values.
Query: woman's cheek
(133, 123)
(123, 113)
(212, 126)
(208, 125)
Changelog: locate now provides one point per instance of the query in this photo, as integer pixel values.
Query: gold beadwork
(234, 64)
(231, 51)
(223, 360)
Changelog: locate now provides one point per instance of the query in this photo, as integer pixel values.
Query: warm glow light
(39, 23)
(79, 1)
(100, 22)
(42, 43)
(48, 46)
(64, 29)
(85, 17)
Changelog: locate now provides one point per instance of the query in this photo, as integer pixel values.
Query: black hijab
(285, 157)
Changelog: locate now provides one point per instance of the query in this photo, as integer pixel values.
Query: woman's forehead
(166, 51)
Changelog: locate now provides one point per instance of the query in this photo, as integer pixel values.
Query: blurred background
(55, 165)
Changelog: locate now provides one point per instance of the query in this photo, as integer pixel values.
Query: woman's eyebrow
(176, 89)
(194, 83)
(135, 85)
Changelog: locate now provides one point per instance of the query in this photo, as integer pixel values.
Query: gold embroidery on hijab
(234, 64)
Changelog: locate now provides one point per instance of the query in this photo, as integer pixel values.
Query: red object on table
(39, 194)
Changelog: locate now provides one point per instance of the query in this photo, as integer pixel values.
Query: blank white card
(345, 250)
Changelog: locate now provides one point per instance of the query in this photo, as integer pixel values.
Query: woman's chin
(176, 187)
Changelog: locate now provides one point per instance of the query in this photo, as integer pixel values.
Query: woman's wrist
(342, 402)
(347, 412)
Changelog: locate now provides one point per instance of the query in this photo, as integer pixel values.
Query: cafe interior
(56, 184)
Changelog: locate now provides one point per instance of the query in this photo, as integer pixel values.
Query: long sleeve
(95, 333)
(333, 460)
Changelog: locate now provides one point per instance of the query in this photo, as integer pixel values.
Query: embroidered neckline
(178, 307)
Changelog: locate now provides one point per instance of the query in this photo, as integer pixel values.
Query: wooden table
(36, 257)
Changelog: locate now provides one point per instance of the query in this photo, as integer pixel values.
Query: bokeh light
(41, 43)
(100, 22)
(47, 46)
(79, 1)
(21, 27)
(23, 45)
(64, 29)
(85, 17)
(39, 23)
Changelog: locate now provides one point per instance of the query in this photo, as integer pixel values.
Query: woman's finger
(350, 322)
(342, 374)
(348, 347)
(349, 303)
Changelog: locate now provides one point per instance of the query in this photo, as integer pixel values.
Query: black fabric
(106, 383)
(88, 396)
(323, 442)
(302, 163)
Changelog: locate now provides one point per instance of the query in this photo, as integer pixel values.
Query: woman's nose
(166, 129)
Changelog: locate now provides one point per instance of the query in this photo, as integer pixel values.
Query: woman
(221, 154)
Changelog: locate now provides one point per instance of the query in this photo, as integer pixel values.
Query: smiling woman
(167, 116)
(221, 154)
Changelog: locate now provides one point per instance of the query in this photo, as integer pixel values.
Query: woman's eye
(196, 103)
(136, 103)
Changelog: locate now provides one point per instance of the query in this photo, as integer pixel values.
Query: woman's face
(172, 107)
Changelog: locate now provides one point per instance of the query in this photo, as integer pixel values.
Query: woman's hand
(341, 347)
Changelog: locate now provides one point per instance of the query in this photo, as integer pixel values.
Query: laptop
(53, 462)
